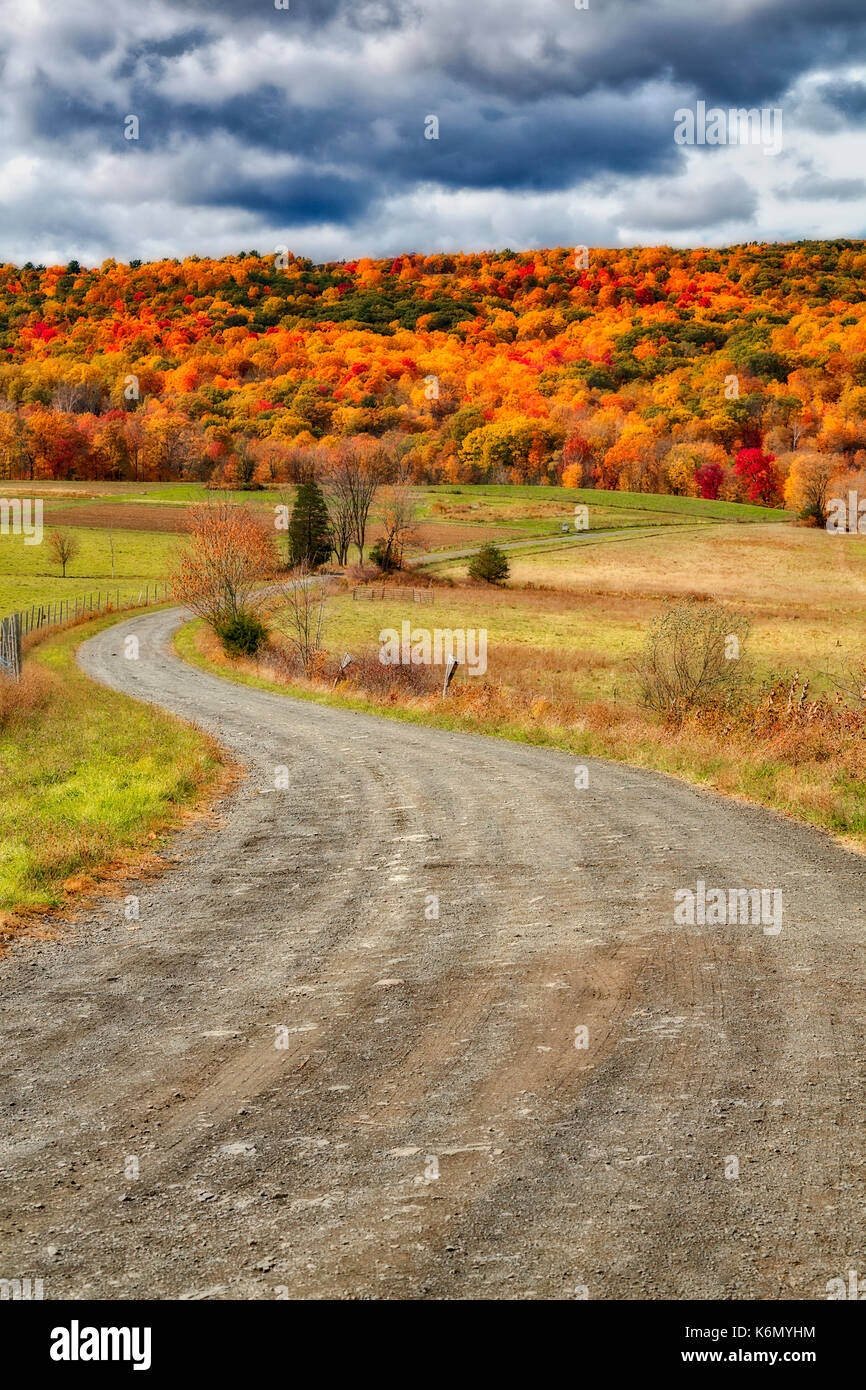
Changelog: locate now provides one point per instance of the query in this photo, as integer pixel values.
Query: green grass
(89, 776)
(28, 576)
(515, 496)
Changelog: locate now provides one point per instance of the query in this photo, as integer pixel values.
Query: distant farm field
(588, 609)
(145, 521)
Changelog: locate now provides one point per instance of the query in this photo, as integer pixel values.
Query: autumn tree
(759, 475)
(56, 445)
(695, 469)
(16, 457)
(808, 482)
(223, 570)
(577, 460)
(168, 444)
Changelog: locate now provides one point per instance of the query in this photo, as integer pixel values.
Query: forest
(737, 374)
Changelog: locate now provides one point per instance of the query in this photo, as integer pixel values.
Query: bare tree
(78, 397)
(302, 615)
(397, 517)
(64, 548)
(353, 475)
(339, 510)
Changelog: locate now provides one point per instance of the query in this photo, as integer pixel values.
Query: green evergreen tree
(489, 565)
(310, 527)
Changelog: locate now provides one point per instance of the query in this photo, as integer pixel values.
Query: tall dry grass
(21, 701)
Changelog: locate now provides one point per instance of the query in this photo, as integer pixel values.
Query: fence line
(10, 646)
(19, 625)
(377, 591)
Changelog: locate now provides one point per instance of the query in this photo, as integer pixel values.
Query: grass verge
(92, 781)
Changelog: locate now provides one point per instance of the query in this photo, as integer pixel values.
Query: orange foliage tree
(227, 562)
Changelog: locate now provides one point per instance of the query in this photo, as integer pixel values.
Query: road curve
(291, 1077)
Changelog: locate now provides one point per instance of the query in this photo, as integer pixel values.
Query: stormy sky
(306, 126)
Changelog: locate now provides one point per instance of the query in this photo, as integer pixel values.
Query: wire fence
(17, 626)
(10, 647)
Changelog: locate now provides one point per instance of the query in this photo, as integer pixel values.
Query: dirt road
(326, 1089)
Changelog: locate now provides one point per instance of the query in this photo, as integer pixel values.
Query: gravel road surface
(291, 1077)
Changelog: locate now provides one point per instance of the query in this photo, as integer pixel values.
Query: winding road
(340, 1052)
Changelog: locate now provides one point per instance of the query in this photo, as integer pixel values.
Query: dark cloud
(848, 98)
(314, 116)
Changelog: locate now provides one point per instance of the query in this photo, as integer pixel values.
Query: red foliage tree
(709, 479)
(762, 480)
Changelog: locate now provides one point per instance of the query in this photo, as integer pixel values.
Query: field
(28, 575)
(144, 522)
(571, 621)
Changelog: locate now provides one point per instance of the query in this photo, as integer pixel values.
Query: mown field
(28, 575)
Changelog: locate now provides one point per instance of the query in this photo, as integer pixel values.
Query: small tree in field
(64, 548)
(398, 524)
(490, 565)
(808, 483)
(221, 574)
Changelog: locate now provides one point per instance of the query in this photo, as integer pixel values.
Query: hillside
(649, 370)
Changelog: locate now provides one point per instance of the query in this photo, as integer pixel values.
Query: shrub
(376, 556)
(692, 658)
(489, 565)
(242, 635)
